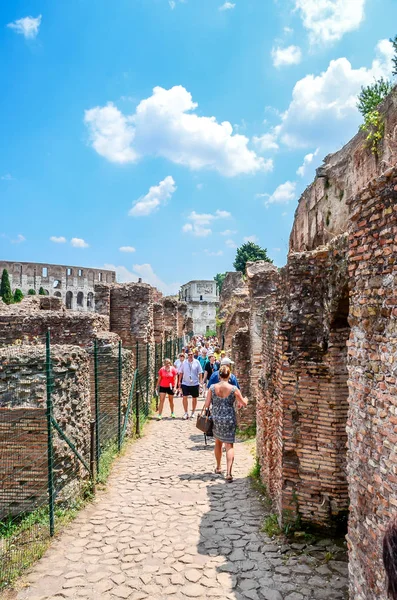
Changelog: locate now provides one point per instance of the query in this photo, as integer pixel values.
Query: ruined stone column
(170, 305)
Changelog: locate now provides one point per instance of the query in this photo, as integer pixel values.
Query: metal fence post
(97, 441)
(92, 454)
(50, 456)
(137, 424)
(147, 377)
(120, 374)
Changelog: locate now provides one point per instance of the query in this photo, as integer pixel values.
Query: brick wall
(170, 317)
(29, 321)
(372, 424)
(299, 381)
(23, 436)
(158, 322)
(131, 313)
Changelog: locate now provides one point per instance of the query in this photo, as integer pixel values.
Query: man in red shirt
(167, 384)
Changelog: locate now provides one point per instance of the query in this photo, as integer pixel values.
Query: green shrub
(31, 292)
(5, 288)
(42, 292)
(18, 296)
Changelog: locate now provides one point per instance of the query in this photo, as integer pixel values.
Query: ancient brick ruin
(74, 285)
(321, 335)
(127, 313)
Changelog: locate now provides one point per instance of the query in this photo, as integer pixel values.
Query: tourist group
(203, 366)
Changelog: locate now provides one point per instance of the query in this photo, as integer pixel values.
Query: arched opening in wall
(69, 299)
(57, 284)
(90, 300)
(338, 404)
(46, 293)
(58, 294)
(80, 299)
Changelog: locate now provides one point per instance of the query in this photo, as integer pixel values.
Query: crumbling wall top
(322, 212)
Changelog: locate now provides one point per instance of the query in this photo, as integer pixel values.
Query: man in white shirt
(190, 376)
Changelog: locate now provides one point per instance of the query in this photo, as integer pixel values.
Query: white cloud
(291, 55)
(199, 222)
(156, 196)
(145, 271)
(111, 133)
(172, 4)
(251, 238)
(308, 159)
(328, 20)
(267, 141)
(200, 186)
(19, 239)
(165, 125)
(323, 110)
(78, 243)
(231, 244)
(276, 249)
(58, 240)
(283, 194)
(213, 253)
(228, 232)
(127, 249)
(7, 177)
(28, 26)
(227, 6)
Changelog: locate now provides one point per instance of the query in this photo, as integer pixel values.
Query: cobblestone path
(167, 527)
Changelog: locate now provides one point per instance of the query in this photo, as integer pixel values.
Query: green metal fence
(52, 455)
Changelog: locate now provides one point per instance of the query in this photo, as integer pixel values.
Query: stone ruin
(74, 285)
(132, 313)
(321, 334)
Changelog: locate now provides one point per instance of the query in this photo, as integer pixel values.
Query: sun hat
(226, 361)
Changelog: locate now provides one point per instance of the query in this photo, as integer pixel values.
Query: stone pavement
(167, 527)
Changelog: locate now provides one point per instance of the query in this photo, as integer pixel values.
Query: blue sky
(157, 135)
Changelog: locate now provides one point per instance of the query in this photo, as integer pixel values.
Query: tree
(5, 288)
(372, 95)
(42, 292)
(249, 252)
(220, 278)
(18, 296)
(31, 292)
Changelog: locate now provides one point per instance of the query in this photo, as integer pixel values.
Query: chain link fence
(65, 414)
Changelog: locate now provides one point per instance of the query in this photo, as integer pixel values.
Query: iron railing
(58, 440)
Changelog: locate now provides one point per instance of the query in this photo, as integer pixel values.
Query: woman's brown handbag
(205, 422)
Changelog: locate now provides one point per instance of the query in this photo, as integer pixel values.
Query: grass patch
(106, 460)
(258, 485)
(247, 433)
(270, 526)
(25, 538)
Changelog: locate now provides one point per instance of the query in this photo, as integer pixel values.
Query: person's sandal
(229, 478)
(218, 471)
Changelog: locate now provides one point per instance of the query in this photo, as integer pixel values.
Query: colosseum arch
(69, 299)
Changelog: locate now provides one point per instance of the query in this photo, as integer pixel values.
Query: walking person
(177, 364)
(215, 378)
(167, 384)
(224, 398)
(190, 378)
(209, 368)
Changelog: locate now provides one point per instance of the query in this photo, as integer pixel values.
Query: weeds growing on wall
(374, 126)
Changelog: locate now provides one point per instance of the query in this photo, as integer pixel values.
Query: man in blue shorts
(191, 376)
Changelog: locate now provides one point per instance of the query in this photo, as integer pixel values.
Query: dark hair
(390, 559)
(224, 372)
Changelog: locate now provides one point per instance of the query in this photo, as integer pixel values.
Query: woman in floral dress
(224, 398)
